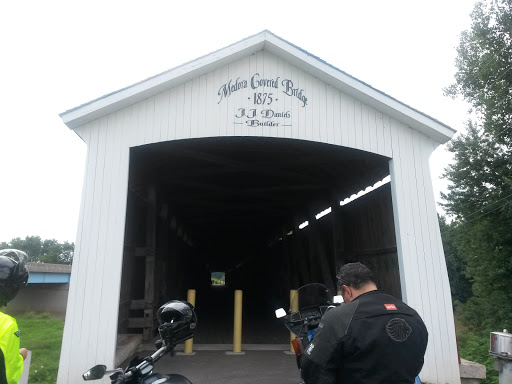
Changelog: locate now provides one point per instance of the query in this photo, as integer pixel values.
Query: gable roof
(267, 41)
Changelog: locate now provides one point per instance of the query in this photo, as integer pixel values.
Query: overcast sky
(57, 55)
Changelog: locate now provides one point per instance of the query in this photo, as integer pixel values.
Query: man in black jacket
(372, 338)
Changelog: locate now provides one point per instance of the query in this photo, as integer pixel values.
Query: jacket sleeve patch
(17, 333)
(390, 307)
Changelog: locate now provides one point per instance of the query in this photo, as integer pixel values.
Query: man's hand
(23, 352)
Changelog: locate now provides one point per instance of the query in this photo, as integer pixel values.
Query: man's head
(13, 274)
(355, 279)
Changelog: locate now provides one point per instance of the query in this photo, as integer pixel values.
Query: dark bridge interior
(234, 205)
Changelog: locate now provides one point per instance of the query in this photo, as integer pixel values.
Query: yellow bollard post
(191, 298)
(294, 307)
(237, 329)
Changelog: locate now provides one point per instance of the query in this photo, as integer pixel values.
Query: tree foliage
(455, 262)
(481, 176)
(484, 63)
(487, 247)
(42, 251)
(480, 195)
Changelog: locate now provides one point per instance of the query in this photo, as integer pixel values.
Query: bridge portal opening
(264, 211)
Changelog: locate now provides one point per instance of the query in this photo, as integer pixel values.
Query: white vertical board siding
(195, 109)
(71, 321)
(423, 274)
(91, 318)
(444, 303)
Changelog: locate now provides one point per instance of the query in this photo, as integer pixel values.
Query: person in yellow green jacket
(13, 277)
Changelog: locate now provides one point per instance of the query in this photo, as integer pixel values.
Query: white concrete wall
(50, 298)
(194, 109)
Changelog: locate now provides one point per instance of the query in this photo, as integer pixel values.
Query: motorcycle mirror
(280, 313)
(338, 299)
(95, 373)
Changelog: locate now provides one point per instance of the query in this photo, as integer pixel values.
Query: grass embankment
(41, 334)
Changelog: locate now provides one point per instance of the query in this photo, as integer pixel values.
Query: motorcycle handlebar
(159, 353)
(148, 360)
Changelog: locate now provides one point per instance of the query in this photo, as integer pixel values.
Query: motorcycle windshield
(307, 306)
(315, 294)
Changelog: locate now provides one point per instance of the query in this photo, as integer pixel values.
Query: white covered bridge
(213, 166)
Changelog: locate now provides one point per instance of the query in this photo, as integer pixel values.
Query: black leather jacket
(374, 339)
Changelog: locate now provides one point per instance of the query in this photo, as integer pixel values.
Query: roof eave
(361, 91)
(125, 97)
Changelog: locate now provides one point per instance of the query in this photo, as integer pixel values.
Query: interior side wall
(307, 255)
(156, 263)
(369, 238)
(361, 231)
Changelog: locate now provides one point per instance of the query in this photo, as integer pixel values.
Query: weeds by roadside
(474, 346)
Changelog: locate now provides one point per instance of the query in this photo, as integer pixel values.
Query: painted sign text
(286, 86)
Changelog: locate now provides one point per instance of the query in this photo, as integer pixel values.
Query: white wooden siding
(423, 273)
(192, 110)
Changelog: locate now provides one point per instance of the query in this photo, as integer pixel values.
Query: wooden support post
(287, 261)
(125, 295)
(191, 298)
(237, 328)
(299, 253)
(294, 307)
(337, 237)
(313, 257)
(149, 282)
(319, 253)
(149, 288)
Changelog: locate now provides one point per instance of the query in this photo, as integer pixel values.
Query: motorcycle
(177, 323)
(313, 301)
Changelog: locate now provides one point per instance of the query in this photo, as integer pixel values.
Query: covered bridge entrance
(234, 205)
(217, 166)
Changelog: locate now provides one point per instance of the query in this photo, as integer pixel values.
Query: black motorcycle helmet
(177, 321)
(13, 274)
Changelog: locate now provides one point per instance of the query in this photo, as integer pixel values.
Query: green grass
(41, 334)
(474, 346)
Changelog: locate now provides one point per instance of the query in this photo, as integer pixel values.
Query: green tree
(455, 262)
(484, 63)
(480, 194)
(42, 251)
(480, 198)
(481, 176)
(31, 245)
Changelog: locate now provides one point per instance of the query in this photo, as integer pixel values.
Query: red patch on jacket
(390, 307)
